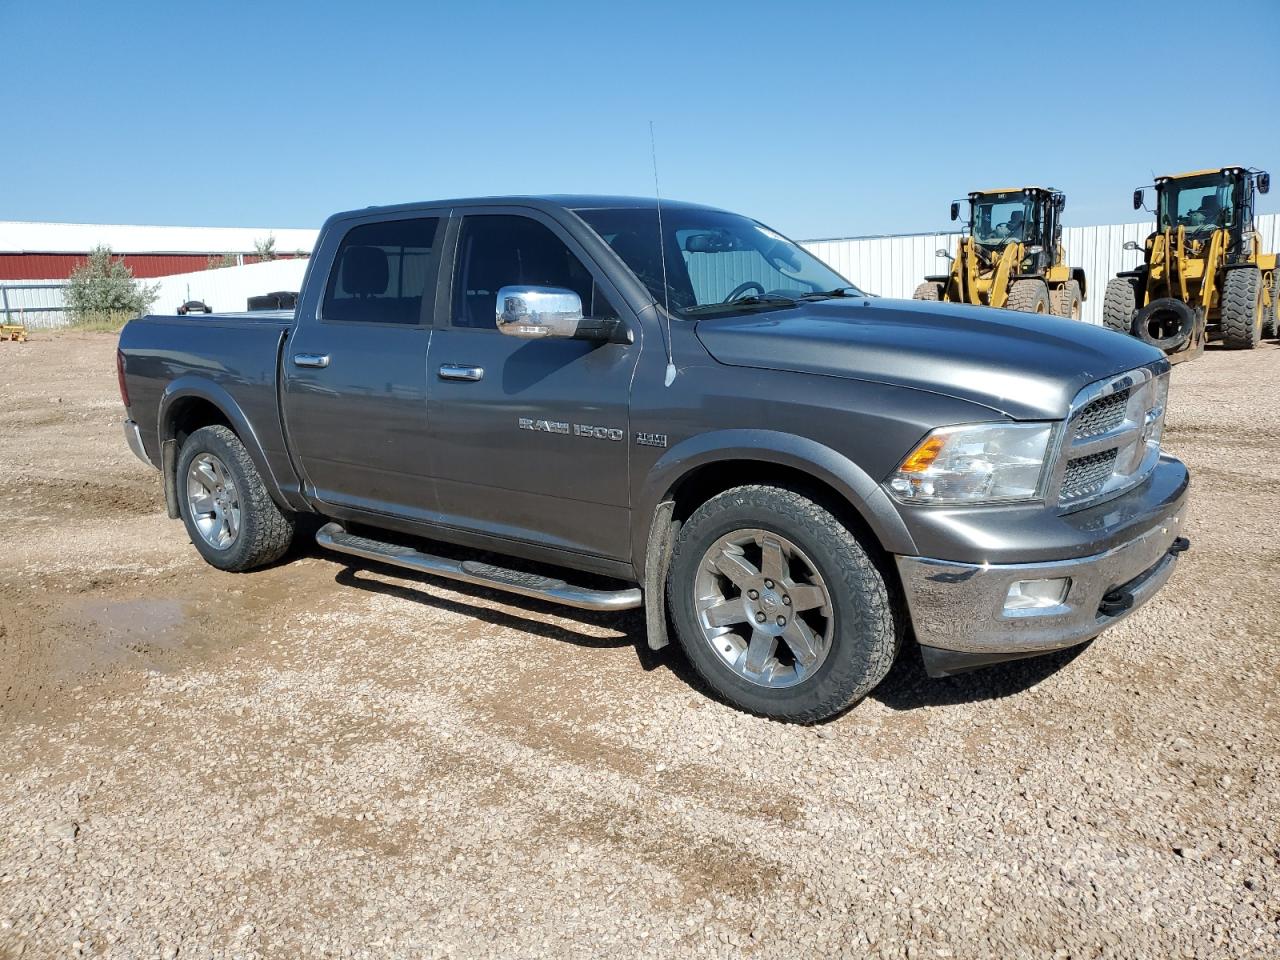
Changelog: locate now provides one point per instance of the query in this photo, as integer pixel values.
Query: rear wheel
(1068, 301)
(1028, 296)
(929, 290)
(778, 606)
(1241, 308)
(1119, 304)
(1271, 324)
(230, 517)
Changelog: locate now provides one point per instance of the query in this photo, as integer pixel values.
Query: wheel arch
(190, 403)
(1077, 274)
(698, 468)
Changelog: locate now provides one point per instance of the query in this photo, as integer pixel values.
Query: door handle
(460, 371)
(311, 360)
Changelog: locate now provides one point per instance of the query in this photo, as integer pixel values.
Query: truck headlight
(975, 463)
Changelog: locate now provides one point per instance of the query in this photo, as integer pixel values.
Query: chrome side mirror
(943, 252)
(1132, 245)
(537, 312)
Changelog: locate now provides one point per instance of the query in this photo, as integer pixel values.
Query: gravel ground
(322, 759)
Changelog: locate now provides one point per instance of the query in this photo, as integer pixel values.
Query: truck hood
(1026, 366)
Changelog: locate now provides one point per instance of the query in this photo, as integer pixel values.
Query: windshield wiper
(849, 291)
(763, 300)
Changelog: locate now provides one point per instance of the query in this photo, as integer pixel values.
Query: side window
(382, 272)
(498, 251)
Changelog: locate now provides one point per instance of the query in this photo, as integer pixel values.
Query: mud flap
(169, 475)
(657, 559)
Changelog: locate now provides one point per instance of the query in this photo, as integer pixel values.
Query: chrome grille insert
(1099, 416)
(1087, 474)
(1112, 437)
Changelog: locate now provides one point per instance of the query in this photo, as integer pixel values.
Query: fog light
(1037, 594)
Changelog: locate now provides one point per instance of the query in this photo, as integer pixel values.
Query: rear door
(355, 369)
(530, 438)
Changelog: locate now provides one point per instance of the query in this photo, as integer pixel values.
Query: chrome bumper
(961, 607)
(133, 437)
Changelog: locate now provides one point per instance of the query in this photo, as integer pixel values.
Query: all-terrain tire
(867, 625)
(929, 290)
(1241, 308)
(265, 531)
(1119, 304)
(1068, 301)
(1271, 323)
(1028, 296)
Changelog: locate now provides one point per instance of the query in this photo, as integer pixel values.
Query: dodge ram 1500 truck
(678, 409)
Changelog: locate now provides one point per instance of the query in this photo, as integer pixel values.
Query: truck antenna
(662, 254)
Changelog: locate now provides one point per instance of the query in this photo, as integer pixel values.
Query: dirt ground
(323, 759)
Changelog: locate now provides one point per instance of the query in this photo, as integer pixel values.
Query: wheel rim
(213, 501)
(763, 608)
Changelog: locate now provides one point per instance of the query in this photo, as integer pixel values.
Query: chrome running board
(333, 536)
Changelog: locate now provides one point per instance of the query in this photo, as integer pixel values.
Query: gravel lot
(327, 760)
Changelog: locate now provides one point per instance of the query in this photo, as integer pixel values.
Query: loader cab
(1208, 200)
(1026, 215)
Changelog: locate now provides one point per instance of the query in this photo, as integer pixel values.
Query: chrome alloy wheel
(213, 501)
(763, 608)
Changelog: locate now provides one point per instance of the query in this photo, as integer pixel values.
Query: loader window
(1000, 218)
(1201, 204)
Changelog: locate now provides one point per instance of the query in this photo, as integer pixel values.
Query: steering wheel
(742, 288)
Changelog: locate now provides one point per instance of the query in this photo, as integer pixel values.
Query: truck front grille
(1112, 437)
(1087, 474)
(1105, 413)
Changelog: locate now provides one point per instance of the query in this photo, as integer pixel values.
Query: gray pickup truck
(679, 409)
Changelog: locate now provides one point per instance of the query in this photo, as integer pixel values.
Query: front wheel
(1241, 308)
(1028, 296)
(778, 606)
(1271, 326)
(1119, 304)
(230, 517)
(929, 290)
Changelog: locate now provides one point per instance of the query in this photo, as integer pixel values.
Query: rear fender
(197, 387)
(858, 489)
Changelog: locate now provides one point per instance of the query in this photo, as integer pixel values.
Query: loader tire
(1119, 304)
(1068, 301)
(1165, 323)
(1028, 296)
(929, 290)
(1271, 323)
(1241, 309)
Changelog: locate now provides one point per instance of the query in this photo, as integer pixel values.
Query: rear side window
(495, 251)
(382, 273)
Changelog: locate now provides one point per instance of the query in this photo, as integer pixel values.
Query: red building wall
(58, 266)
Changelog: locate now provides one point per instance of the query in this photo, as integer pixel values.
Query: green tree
(266, 249)
(102, 290)
(226, 260)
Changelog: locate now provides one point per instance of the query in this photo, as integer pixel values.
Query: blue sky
(822, 119)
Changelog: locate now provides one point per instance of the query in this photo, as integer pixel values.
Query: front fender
(834, 469)
(191, 386)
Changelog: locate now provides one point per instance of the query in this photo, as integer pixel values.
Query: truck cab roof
(562, 201)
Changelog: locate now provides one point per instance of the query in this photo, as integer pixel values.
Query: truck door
(530, 438)
(355, 369)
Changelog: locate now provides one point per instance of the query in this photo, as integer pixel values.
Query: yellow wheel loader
(1204, 274)
(1010, 255)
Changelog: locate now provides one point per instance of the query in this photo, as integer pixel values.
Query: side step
(333, 536)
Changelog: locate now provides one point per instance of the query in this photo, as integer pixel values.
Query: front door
(355, 372)
(530, 438)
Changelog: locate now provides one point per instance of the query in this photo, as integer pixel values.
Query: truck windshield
(1201, 204)
(716, 262)
(1001, 217)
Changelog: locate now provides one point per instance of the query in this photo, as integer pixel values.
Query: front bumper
(959, 610)
(133, 436)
